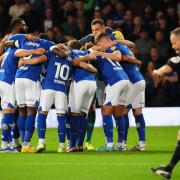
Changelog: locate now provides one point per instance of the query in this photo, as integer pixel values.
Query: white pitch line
(81, 164)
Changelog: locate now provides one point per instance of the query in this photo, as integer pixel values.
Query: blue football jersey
(59, 70)
(110, 71)
(131, 69)
(30, 71)
(16, 37)
(9, 66)
(80, 74)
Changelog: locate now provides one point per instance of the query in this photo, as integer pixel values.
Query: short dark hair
(74, 44)
(16, 22)
(176, 31)
(44, 36)
(98, 21)
(89, 45)
(101, 35)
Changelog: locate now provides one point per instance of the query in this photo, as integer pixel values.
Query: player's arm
(62, 46)
(87, 67)
(131, 59)
(1, 58)
(14, 40)
(86, 39)
(59, 51)
(86, 58)
(125, 42)
(119, 38)
(10, 44)
(23, 52)
(115, 56)
(32, 61)
(2, 45)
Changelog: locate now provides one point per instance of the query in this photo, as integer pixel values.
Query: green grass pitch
(161, 142)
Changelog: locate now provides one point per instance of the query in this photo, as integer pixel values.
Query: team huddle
(37, 74)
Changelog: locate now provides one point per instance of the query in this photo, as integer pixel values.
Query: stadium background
(145, 22)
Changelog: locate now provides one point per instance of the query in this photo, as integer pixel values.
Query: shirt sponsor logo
(32, 44)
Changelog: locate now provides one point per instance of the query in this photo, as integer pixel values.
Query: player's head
(102, 39)
(175, 39)
(97, 26)
(87, 46)
(74, 44)
(18, 25)
(44, 36)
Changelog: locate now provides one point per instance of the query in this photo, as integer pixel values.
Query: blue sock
(10, 136)
(15, 130)
(5, 128)
(7, 122)
(140, 124)
(21, 126)
(126, 118)
(29, 127)
(67, 127)
(120, 127)
(41, 125)
(74, 125)
(82, 130)
(108, 127)
(61, 128)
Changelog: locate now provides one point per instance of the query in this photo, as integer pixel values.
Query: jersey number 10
(62, 71)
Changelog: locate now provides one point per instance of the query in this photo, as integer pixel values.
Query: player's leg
(61, 108)
(107, 112)
(7, 126)
(92, 114)
(87, 101)
(126, 118)
(76, 95)
(8, 106)
(32, 94)
(166, 171)
(130, 97)
(68, 140)
(119, 102)
(21, 102)
(137, 105)
(90, 126)
(140, 125)
(15, 132)
(46, 101)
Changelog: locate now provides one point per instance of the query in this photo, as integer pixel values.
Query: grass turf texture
(161, 142)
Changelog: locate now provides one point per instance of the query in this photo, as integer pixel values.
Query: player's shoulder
(17, 36)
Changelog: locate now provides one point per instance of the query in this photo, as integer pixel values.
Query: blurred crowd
(145, 22)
